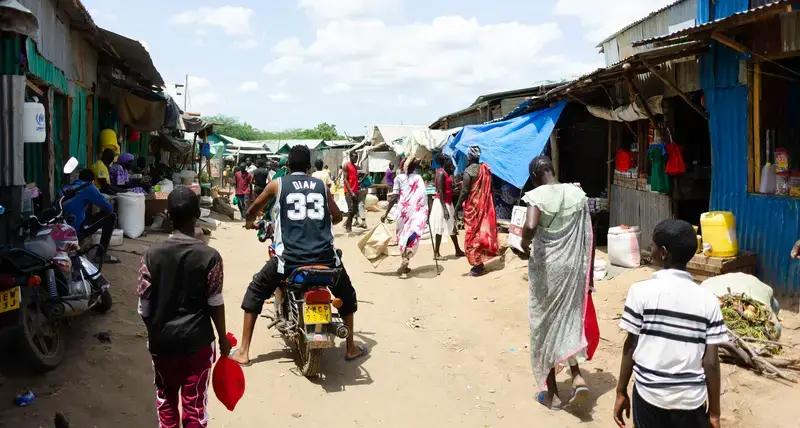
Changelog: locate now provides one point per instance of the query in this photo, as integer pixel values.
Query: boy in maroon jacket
(180, 295)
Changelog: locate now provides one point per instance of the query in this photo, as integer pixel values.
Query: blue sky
(282, 64)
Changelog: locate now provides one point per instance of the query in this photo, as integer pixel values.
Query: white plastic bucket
(131, 214)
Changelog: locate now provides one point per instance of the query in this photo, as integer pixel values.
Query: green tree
(236, 128)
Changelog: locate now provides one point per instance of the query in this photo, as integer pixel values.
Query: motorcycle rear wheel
(40, 340)
(309, 359)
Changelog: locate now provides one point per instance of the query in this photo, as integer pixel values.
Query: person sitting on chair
(86, 226)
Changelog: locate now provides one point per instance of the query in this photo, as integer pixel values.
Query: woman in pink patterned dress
(412, 215)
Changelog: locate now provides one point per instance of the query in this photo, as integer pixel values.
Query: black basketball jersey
(303, 229)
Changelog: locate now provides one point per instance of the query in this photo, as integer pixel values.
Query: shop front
(750, 81)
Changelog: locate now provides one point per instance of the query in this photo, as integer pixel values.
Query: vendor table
(702, 267)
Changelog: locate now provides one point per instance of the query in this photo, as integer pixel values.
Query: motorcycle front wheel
(40, 340)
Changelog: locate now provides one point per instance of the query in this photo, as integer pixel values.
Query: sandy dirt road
(463, 360)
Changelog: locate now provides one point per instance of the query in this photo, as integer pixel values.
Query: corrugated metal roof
(134, 55)
(635, 23)
(731, 21)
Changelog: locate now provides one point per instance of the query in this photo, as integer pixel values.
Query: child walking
(674, 327)
(180, 296)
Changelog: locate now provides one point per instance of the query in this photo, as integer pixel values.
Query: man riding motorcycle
(305, 212)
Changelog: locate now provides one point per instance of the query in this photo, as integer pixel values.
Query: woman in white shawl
(558, 236)
(412, 215)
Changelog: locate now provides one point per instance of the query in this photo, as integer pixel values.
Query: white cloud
(283, 65)
(604, 18)
(196, 82)
(234, 20)
(250, 86)
(282, 97)
(327, 10)
(448, 53)
(245, 45)
(206, 103)
(336, 88)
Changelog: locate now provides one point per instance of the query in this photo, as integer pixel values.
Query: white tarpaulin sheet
(627, 113)
(422, 142)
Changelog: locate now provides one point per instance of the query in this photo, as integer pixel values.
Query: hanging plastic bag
(375, 244)
(228, 379)
(235, 200)
(675, 163)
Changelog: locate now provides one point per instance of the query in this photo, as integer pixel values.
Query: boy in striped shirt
(674, 327)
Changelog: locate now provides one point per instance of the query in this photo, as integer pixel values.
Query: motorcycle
(303, 310)
(46, 282)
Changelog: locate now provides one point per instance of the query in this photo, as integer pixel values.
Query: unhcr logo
(40, 122)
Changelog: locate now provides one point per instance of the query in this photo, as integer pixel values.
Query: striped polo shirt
(675, 319)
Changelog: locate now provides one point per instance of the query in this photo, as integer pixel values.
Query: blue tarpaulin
(509, 146)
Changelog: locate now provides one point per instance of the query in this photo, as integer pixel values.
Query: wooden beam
(614, 105)
(50, 154)
(750, 159)
(677, 90)
(34, 88)
(554, 151)
(639, 99)
(727, 41)
(609, 161)
(756, 126)
(576, 99)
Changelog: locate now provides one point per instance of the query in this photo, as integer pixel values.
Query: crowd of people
(673, 325)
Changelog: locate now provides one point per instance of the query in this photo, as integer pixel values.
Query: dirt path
(462, 362)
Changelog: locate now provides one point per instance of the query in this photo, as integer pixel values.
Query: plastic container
(166, 185)
(624, 246)
(719, 234)
(782, 183)
(108, 138)
(781, 160)
(131, 214)
(33, 123)
(794, 185)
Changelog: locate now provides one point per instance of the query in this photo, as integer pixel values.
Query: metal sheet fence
(637, 208)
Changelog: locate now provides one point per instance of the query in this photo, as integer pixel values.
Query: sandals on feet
(364, 352)
(579, 395)
(541, 398)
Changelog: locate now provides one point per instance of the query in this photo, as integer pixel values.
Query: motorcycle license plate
(317, 314)
(9, 300)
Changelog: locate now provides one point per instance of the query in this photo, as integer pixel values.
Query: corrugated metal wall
(790, 31)
(53, 39)
(767, 225)
(84, 60)
(710, 10)
(12, 99)
(620, 47)
(637, 208)
(10, 50)
(12, 179)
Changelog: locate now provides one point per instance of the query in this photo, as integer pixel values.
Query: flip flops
(541, 398)
(233, 352)
(364, 352)
(579, 395)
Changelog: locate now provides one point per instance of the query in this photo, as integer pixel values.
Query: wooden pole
(614, 105)
(608, 163)
(554, 151)
(639, 99)
(727, 41)
(757, 125)
(50, 154)
(677, 90)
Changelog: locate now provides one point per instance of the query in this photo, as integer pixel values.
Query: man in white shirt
(674, 327)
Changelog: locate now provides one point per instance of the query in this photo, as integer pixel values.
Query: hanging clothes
(659, 180)
(675, 163)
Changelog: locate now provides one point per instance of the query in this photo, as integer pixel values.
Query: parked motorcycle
(47, 282)
(303, 306)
